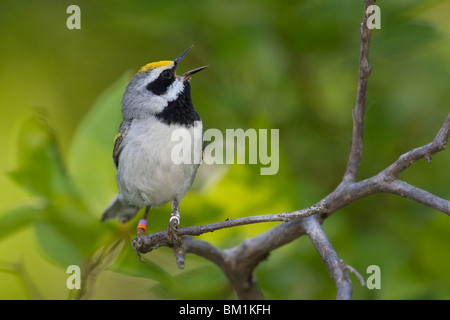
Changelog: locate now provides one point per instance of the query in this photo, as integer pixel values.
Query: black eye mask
(159, 85)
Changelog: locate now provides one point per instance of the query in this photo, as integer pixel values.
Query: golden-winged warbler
(156, 102)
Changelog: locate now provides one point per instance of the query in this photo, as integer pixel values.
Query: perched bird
(156, 102)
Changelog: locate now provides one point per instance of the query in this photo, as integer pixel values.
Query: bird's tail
(117, 209)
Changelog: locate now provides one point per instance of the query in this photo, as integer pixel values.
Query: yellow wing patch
(117, 137)
(154, 65)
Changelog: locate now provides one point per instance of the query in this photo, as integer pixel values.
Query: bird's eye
(166, 74)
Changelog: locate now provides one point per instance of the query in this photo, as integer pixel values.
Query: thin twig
(332, 261)
(365, 69)
(386, 181)
(356, 273)
(406, 190)
(427, 151)
(147, 243)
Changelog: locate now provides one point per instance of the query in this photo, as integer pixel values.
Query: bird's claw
(141, 233)
(172, 229)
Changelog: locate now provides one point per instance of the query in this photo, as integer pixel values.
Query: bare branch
(334, 264)
(427, 151)
(365, 69)
(145, 244)
(386, 181)
(203, 249)
(233, 262)
(238, 263)
(390, 183)
(406, 190)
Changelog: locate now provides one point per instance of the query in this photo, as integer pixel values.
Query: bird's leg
(172, 229)
(142, 226)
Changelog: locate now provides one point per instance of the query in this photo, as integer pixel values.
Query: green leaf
(57, 245)
(40, 166)
(18, 218)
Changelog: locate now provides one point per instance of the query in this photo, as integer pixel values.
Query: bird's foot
(172, 229)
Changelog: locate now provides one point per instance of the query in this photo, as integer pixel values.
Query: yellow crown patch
(154, 65)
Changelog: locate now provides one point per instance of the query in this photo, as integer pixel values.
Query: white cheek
(173, 91)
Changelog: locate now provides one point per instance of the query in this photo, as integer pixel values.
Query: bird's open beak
(181, 56)
(188, 74)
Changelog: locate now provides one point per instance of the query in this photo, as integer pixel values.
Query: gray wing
(119, 141)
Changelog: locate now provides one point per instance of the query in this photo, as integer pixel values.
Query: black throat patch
(181, 110)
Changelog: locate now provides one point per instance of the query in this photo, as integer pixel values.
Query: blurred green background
(289, 65)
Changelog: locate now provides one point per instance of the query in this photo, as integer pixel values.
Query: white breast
(146, 174)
